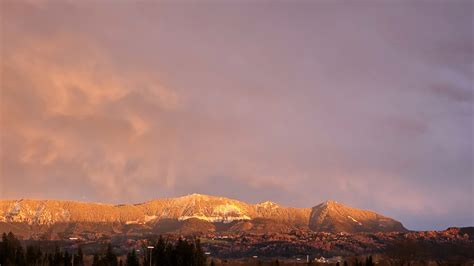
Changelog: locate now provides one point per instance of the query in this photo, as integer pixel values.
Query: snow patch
(215, 219)
(268, 204)
(150, 218)
(355, 221)
(133, 222)
(147, 219)
(15, 210)
(225, 213)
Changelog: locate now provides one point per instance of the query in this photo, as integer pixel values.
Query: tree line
(12, 253)
(164, 253)
(167, 253)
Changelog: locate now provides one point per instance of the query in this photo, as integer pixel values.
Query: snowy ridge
(329, 216)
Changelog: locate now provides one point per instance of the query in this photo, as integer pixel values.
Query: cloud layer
(368, 104)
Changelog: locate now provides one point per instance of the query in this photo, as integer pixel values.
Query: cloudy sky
(369, 103)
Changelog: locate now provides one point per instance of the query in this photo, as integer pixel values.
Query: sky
(369, 103)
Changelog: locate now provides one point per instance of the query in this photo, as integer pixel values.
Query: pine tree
(20, 256)
(110, 257)
(3, 249)
(30, 256)
(369, 261)
(11, 251)
(96, 260)
(356, 262)
(33, 255)
(199, 257)
(132, 259)
(171, 256)
(67, 259)
(160, 256)
(79, 258)
(58, 256)
(50, 259)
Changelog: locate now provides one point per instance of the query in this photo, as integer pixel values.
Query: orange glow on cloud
(295, 104)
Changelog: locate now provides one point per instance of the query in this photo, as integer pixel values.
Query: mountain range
(194, 213)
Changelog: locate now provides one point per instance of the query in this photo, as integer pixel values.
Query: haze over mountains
(187, 214)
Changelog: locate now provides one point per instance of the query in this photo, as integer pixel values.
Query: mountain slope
(192, 213)
(332, 216)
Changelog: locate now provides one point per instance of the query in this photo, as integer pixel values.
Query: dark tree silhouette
(132, 259)
(11, 251)
(67, 259)
(182, 253)
(58, 258)
(96, 260)
(165, 253)
(369, 261)
(33, 255)
(79, 258)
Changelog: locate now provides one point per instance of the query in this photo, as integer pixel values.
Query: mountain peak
(200, 196)
(331, 203)
(193, 195)
(267, 204)
(337, 217)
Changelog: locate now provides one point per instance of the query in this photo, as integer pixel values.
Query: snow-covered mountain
(210, 210)
(332, 216)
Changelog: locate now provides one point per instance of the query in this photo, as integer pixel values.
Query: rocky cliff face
(197, 211)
